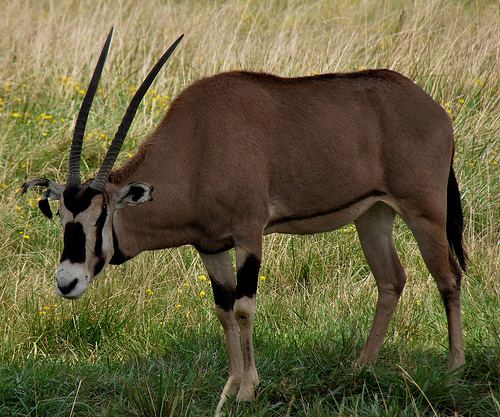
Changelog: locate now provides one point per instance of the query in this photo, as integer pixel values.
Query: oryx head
(86, 210)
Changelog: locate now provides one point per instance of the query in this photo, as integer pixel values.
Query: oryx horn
(106, 167)
(81, 121)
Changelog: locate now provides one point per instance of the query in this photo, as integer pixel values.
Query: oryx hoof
(247, 388)
(232, 386)
(365, 359)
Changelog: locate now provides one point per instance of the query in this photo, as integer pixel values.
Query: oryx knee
(244, 310)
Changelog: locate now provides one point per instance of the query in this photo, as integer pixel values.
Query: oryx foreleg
(221, 275)
(248, 265)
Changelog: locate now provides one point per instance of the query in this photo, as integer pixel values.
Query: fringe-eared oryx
(242, 154)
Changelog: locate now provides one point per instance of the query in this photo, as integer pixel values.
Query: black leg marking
(223, 297)
(74, 243)
(247, 277)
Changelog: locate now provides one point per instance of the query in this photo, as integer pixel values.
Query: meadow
(144, 340)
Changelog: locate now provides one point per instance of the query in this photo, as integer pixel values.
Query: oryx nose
(68, 288)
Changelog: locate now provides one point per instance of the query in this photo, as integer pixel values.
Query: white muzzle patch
(71, 280)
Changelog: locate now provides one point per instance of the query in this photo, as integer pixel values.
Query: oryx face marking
(88, 241)
(74, 243)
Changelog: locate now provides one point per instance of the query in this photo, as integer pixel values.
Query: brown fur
(243, 147)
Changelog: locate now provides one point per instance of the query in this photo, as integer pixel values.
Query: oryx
(243, 154)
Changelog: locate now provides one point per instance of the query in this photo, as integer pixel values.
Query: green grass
(144, 340)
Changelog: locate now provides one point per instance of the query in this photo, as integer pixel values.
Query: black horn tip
(178, 39)
(110, 33)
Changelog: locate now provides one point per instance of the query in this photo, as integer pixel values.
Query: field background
(144, 340)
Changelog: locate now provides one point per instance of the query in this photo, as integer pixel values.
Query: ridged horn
(114, 149)
(81, 121)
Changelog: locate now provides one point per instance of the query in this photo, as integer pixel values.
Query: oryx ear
(134, 194)
(53, 191)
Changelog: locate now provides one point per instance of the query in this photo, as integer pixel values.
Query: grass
(144, 340)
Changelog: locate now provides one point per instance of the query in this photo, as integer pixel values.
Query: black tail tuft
(455, 220)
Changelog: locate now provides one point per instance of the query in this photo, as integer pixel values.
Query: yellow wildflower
(45, 116)
(178, 305)
(65, 80)
(461, 100)
(349, 229)
(263, 278)
(16, 115)
(149, 291)
(418, 301)
(202, 277)
(33, 201)
(202, 294)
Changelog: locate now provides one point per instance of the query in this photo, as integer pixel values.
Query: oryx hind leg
(221, 273)
(375, 228)
(430, 232)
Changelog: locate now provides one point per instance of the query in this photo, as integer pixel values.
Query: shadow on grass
(305, 377)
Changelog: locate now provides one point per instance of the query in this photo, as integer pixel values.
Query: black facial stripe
(99, 226)
(74, 243)
(247, 277)
(76, 202)
(222, 296)
(98, 266)
(118, 256)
